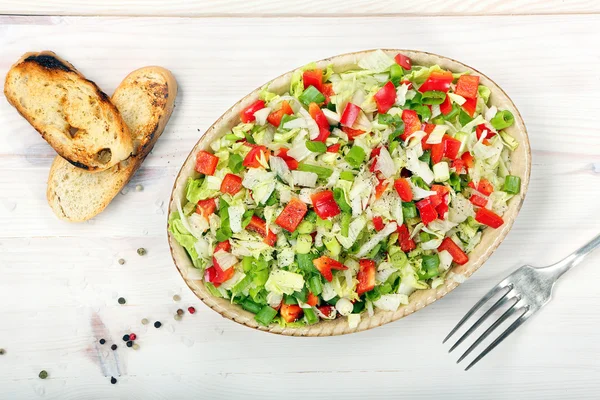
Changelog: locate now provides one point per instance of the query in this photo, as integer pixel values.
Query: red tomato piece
(334, 148)
(352, 133)
(225, 246)
(411, 123)
(275, 117)
(467, 86)
(321, 120)
(252, 158)
(489, 218)
(292, 215)
(403, 61)
(385, 97)
(327, 92)
(380, 189)
(468, 159)
(480, 129)
(378, 223)
(247, 114)
(470, 105)
(206, 163)
(366, 276)
(259, 226)
(446, 106)
(325, 264)
(437, 80)
(206, 207)
(451, 147)
(477, 200)
(404, 239)
(324, 204)
(314, 78)
(458, 256)
(312, 300)
(231, 184)
(426, 211)
(403, 188)
(350, 115)
(291, 162)
(290, 312)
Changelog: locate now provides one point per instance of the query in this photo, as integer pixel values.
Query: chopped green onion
(396, 74)
(289, 299)
(249, 138)
(314, 283)
(502, 119)
(251, 306)
(340, 199)
(235, 163)
(305, 262)
(311, 316)
(439, 120)
(345, 224)
(303, 244)
(232, 137)
(484, 93)
(398, 258)
(433, 97)
(409, 210)
(302, 295)
(315, 146)
(452, 114)
(324, 223)
(265, 315)
(393, 146)
(355, 156)
(512, 184)
(347, 176)
(424, 237)
(464, 118)
(247, 263)
(423, 111)
(311, 95)
(311, 216)
(426, 157)
(430, 266)
(321, 172)
(305, 227)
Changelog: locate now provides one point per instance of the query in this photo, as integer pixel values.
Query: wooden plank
(296, 8)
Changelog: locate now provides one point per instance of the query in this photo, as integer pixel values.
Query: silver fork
(525, 291)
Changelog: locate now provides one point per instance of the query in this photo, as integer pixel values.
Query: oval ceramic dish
(520, 166)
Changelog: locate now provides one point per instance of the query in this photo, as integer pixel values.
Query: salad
(349, 192)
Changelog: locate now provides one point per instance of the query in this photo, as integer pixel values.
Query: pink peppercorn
(191, 310)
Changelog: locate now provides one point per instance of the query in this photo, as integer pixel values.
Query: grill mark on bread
(49, 62)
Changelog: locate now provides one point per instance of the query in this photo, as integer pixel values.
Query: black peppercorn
(157, 324)
(113, 347)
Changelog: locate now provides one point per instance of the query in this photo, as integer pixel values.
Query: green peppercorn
(141, 251)
(43, 374)
(122, 300)
(144, 321)
(121, 261)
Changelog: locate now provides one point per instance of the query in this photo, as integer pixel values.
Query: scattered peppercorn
(125, 338)
(139, 188)
(191, 310)
(43, 374)
(132, 336)
(2, 351)
(180, 312)
(157, 324)
(141, 251)
(113, 347)
(177, 317)
(122, 300)
(176, 297)
(113, 380)
(102, 341)
(136, 346)
(121, 261)
(144, 321)
(129, 343)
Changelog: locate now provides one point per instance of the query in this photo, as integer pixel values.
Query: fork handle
(574, 258)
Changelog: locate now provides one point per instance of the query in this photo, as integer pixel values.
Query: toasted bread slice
(145, 99)
(73, 115)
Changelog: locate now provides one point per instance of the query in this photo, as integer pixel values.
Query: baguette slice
(145, 99)
(72, 114)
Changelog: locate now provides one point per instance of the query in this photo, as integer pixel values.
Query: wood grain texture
(56, 276)
(295, 8)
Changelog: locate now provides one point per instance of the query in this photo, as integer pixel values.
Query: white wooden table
(59, 282)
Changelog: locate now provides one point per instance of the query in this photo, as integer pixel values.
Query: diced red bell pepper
(247, 114)
(467, 86)
(403, 188)
(468, 159)
(290, 312)
(324, 204)
(478, 200)
(489, 218)
(484, 187)
(426, 211)
(291, 162)
(231, 184)
(325, 264)
(327, 92)
(458, 256)
(385, 97)
(446, 106)
(328, 311)
(437, 80)
(428, 128)
(275, 117)
(225, 246)
(479, 129)
(378, 223)
(334, 148)
(437, 152)
(374, 153)
(254, 155)
(441, 193)
(216, 275)
(321, 120)
(210, 274)
(350, 115)
(459, 166)
(292, 215)
(411, 123)
(451, 147)
(312, 300)
(259, 226)
(380, 189)
(404, 239)
(442, 209)
(407, 83)
(206, 163)
(206, 207)
(366, 276)
(314, 78)
(352, 133)
(470, 105)
(403, 61)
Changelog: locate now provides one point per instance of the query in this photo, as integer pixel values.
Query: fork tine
(476, 307)
(489, 330)
(500, 338)
(501, 301)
